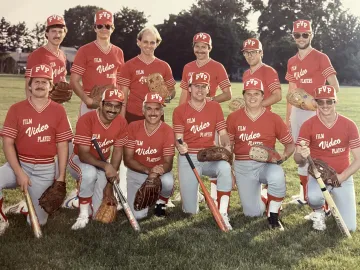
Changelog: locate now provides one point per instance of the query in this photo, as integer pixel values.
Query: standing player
(133, 76)
(253, 53)
(254, 125)
(196, 122)
(109, 128)
(150, 148)
(38, 129)
(329, 137)
(308, 69)
(96, 63)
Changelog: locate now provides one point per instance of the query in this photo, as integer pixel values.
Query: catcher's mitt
(266, 154)
(107, 210)
(61, 92)
(236, 104)
(214, 153)
(301, 99)
(53, 197)
(96, 94)
(148, 193)
(327, 173)
(157, 85)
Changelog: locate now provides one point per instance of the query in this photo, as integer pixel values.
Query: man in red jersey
(96, 63)
(150, 148)
(330, 137)
(308, 69)
(109, 128)
(38, 129)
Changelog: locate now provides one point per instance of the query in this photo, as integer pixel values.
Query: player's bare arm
(183, 96)
(224, 96)
(133, 164)
(292, 87)
(126, 91)
(116, 157)
(78, 89)
(275, 97)
(224, 139)
(298, 157)
(333, 81)
(63, 154)
(288, 150)
(167, 165)
(353, 168)
(172, 92)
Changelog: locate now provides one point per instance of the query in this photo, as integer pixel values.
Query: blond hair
(151, 29)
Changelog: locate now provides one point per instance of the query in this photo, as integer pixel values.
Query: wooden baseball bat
(129, 214)
(209, 200)
(328, 198)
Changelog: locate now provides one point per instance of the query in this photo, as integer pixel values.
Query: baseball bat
(209, 200)
(129, 214)
(330, 201)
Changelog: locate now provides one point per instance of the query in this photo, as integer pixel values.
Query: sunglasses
(304, 35)
(321, 102)
(100, 26)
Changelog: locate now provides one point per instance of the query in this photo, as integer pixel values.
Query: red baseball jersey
(150, 148)
(36, 132)
(43, 55)
(245, 131)
(134, 75)
(90, 126)
(267, 75)
(331, 144)
(310, 71)
(218, 75)
(198, 125)
(96, 66)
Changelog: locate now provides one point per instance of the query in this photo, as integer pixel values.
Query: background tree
(38, 35)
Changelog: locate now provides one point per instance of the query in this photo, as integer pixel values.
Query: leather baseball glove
(107, 210)
(157, 85)
(301, 99)
(236, 104)
(148, 193)
(266, 154)
(214, 153)
(53, 197)
(96, 94)
(61, 92)
(327, 173)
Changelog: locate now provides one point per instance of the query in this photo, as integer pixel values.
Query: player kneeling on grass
(329, 137)
(251, 126)
(196, 122)
(110, 129)
(38, 129)
(150, 149)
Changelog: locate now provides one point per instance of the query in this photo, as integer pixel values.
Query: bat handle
(187, 155)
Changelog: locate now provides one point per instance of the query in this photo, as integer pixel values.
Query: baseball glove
(148, 193)
(327, 173)
(214, 153)
(301, 99)
(61, 92)
(236, 104)
(157, 85)
(266, 154)
(107, 210)
(96, 95)
(53, 197)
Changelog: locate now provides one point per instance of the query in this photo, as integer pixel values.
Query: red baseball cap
(301, 26)
(42, 71)
(104, 17)
(325, 92)
(54, 20)
(252, 44)
(253, 84)
(154, 98)
(199, 78)
(202, 37)
(111, 94)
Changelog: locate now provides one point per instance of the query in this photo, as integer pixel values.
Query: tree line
(336, 33)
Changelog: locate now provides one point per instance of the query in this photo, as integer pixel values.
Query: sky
(33, 11)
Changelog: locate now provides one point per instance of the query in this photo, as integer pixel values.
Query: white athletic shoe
(81, 222)
(310, 216)
(19, 208)
(177, 197)
(297, 200)
(318, 219)
(226, 220)
(170, 204)
(71, 201)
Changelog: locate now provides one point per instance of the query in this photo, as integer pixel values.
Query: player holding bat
(330, 137)
(109, 128)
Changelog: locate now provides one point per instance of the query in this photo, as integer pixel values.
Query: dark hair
(262, 92)
(56, 26)
(31, 79)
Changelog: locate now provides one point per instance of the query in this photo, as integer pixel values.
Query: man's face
(198, 92)
(40, 87)
(253, 57)
(202, 50)
(302, 39)
(153, 112)
(56, 35)
(110, 109)
(103, 31)
(253, 98)
(147, 44)
(326, 106)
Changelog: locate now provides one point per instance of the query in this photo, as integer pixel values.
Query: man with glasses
(85, 165)
(253, 52)
(330, 137)
(96, 63)
(308, 69)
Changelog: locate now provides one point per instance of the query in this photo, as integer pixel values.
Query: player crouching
(149, 151)
(110, 129)
(250, 126)
(38, 129)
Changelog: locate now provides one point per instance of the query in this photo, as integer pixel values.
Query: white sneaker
(81, 222)
(318, 219)
(177, 197)
(296, 200)
(19, 208)
(71, 201)
(170, 204)
(309, 216)
(226, 220)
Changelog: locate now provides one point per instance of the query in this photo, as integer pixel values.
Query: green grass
(179, 241)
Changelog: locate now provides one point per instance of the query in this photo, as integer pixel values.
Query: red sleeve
(63, 129)
(289, 76)
(123, 134)
(178, 121)
(220, 121)
(282, 131)
(122, 61)
(131, 136)
(125, 75)
(222, 77)
(326, 66)
(83, 131)
(10, 128)
(79, 65)
(231, 129)
(184, 84)
(169, 79)
(33, 59)
(305, 133)
(169, 142)
(272, 80)
(354, 140)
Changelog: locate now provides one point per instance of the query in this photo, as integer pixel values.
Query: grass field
(180, 241)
